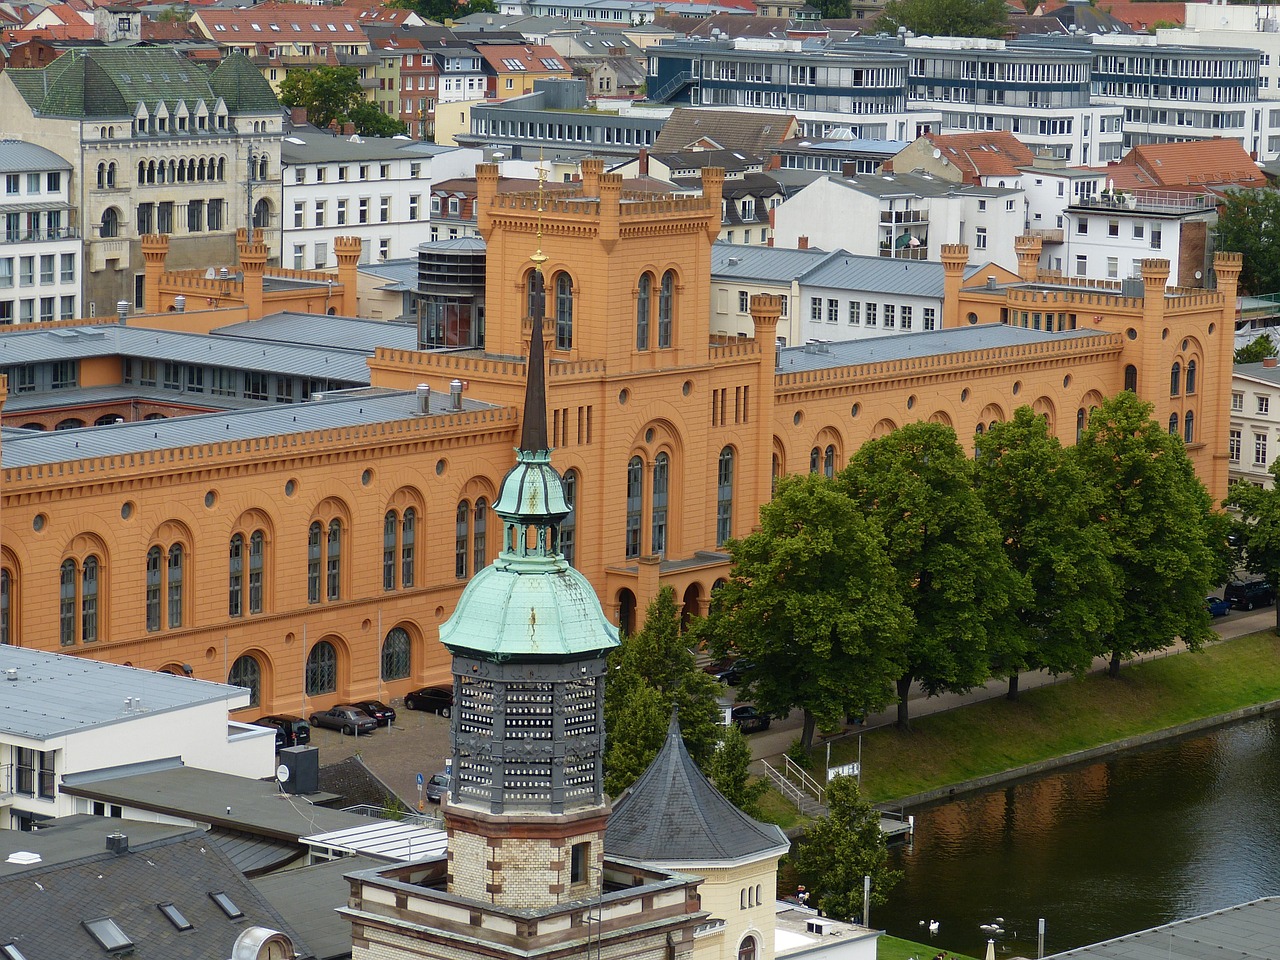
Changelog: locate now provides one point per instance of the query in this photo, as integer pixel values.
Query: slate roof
(355, 783)
(44, 907)
(242, 86)
(755, 133)
(1248, 931)
(308, 898)
(66, 839)
(673, 814)
(56, 694)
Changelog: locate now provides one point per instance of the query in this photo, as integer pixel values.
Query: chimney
(180, 304)
(424, 398)
(297, 115)
(991, 283)
(802, 243)
(1269, 361)
(122, 312)
(117, 843)
(644, 161)
(455, 394)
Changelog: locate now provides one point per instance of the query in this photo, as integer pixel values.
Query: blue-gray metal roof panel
(310, 329)
(917, 278)
(764, 264)
(19, 156)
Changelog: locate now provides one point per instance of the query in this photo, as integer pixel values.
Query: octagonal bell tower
(526, 816)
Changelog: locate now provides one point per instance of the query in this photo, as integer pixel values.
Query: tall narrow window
(1189, 427)
(461, 540)
(635, 487)
(89, 601)
(815, 459)
(568, 526)
(1191, 377)
(6, 606)
(322, 669)
(153, 589)
(333, 562)
(529, 294)
(482, 522)
(829, 461)
(314, 534)
(235, 572)
(257, 558)
(724, 497)
(175, 585)
(390, 523)
(67, 603)
(1079, 424)
(1175, 379)
(1131, 378)
(395, 654)
(775, 474)
(564, 311)
(1173, 424)
(246, 672)
(408, 534)
(666, 294)
(661, 485)
(642, 311)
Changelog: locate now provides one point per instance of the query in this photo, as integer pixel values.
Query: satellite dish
(282, 773)
(936, 153)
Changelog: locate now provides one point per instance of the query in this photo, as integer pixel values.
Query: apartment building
(40, 260)
(1253, 439)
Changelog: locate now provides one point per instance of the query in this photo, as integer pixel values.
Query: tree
(945, 552)
(730, 770)
(833, 9)
(812, 604)
(1045, 506)
(1256, 350)
(1258, 532)
(946, 18)
(840, 849)
(372, 122)
(1249, 223)
(327, 93)
(1156, 513)
(442, 10)
(650, 673)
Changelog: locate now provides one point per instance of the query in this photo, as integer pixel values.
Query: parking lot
(416, 743)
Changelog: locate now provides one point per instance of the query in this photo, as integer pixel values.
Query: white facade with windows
(41, 253)
(377, 189)
(67, 715)
(1254, 434)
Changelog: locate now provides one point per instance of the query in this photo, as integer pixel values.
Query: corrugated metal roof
(68, 400)
(313, 329)
(463, 244)
(55, 694)
(1249, 931)
(75, 343)
(767, 264)
(316, 146)
(389, 839)
(18, 156)
(904, 346)
(921, 278)
(24, 448)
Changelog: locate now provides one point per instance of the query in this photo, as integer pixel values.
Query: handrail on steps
(785, 786)
(806, 782)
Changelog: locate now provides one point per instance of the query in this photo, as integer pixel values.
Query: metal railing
(906, 253)
(1151, 201)
(672, 86)
(904, 216)
(785, 786)
(433, 821)
(799, 776)
(32, 236)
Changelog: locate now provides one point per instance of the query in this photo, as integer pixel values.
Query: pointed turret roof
(673, 814)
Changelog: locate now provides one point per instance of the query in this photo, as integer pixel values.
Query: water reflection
(1136, 840)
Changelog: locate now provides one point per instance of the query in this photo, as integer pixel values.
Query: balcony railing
(904, 216)
(1150, 201)
(34, 236)
(1047, 235)
(905, 253)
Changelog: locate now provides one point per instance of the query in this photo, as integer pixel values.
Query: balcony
(37, 236)
(1150, 201)
(905, 253)
(904, 216)
(103, 252)
(1046, 235)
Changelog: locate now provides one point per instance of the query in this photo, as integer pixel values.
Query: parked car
(432, 699)
(717, 667)
(1247, 594)
(349, 719)
(749, 719)
(1217, 607)
(736, 673)
(384, 715)
(438, 786)
(291, 731)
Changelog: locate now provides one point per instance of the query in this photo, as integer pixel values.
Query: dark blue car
(1217, 607)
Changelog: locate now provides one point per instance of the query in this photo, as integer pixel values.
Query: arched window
(89, 600)
(322, 669)
(1173, 424)
(1175, 379)
(408, 536)
(635, 501)
(153, 589)
(102, 175)
(6, 606)
(775, 473)
(396, 654)
(642, 311)
(333, 561)
(110, 223)
(1131, 378)
(568, 526)
(314, 533)
(175, 593)
(564, 311)
(390, 527)
(1079, 424)
(262, 214)
(235, 575)
(747, 949)
(530, 294)
(111, 174)
(142, 171)
(1191, 377)
(67, 603)
(222, 175)
(479, 545)
(724, 497)
(815, 460)
(829, 461)
(1189, 426)
(461, 540)
(257, 561)
(246, 672)
(666, 294)
(661, 491)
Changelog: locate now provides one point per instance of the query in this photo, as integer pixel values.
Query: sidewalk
(774, 742)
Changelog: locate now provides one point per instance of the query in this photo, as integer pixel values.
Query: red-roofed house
(512, 68)
(1140, 16)
(1198, 164)
(989, 158)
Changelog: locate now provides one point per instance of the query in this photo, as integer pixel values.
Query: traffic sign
(419, 781)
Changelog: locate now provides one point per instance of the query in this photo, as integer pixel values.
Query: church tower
(526, 815)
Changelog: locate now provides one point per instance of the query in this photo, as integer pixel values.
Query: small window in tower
(578, 863)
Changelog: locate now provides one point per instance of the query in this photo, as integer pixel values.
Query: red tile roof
(522, 58)
(992, 153)
(1196, 163)
(1138, 15)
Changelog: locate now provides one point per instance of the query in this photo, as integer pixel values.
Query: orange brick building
(312, 550)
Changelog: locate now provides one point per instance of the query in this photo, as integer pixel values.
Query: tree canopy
(946, 18)
(813, 603)
(1249, 223)
(840, 849)
(1044, 506)
(1157, 517)
(1258, 529)
(333, 94)
(730, 770)
(1256, 350)
(944, 547)
(442, 10)
(649, 673)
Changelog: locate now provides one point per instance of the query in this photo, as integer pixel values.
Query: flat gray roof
(764, 264)
(308, 898)
(318, 330)
(73, 838)
(320, 146)
(1248, 931)
(904, 346)
(919, 278)
(24, 448)
(54, 694)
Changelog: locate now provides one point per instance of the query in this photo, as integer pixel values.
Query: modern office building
(42, 257)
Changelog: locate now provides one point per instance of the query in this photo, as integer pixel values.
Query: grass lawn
(891, 948)
(775, 808)
(1073, 715)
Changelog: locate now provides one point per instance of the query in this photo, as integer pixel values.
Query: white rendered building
(66, 715)
(1254, 435)
(42, 254)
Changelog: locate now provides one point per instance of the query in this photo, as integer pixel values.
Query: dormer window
(109, 935)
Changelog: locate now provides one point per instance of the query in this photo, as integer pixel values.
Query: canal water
(1138, 839)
